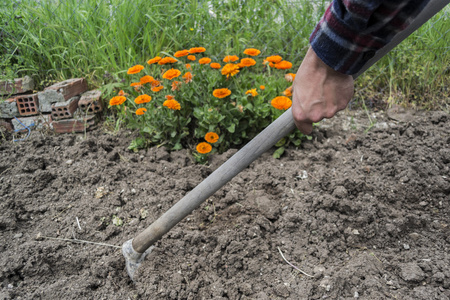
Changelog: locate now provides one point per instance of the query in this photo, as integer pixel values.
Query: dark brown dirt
(365, 213)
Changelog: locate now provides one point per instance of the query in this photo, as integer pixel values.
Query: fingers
(304, 127)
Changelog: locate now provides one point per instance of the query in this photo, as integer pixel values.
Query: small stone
(133, 191)
(325, 283)
(69, 162)
(438, 277)
(281, 290)
(340, 192)
(39, 237)
(414, 236)
(10, 286)
(411, 272)
(18, 235)
(356, 294)
(355, 232)
(134, 222)
(318, 271)
(406, 246)
(423, 203)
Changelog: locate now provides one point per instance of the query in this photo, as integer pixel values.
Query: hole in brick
(83, 106)
(67, 113)
(27, 110)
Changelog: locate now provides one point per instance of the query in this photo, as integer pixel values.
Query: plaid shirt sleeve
(351, 31)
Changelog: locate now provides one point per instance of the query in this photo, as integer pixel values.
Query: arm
(347, 36)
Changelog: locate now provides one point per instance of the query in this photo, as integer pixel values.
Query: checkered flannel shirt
(351, 31)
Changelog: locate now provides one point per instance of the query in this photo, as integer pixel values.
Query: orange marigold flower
(172, 104)
(146, 79)
(211, 137)
(171, 74)
(176, 85)
(157, 88)
(170, 97)
(274, 59)
(191, 57)
(252, 51)
(117, 100)
(141, 111)
(188, 66)
(221, 93)
(187, 77)
(137, 85)
(252, 92)
(248, 62)
(181, 53)
(288, 92)
(289, 77)
(204, 148)
(122, 93)
(204, 60)
(155, 83)
(262, 87)
(167, 60)
(230, 58)
(154, 60)
(215, 65)
(230, 70)
(197, 50)
(283, 65)
(281, 102)
(135, 69)
(142, 99)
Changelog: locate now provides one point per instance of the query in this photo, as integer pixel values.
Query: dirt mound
(362, 208)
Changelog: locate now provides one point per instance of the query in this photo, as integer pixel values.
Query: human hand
(318, 92)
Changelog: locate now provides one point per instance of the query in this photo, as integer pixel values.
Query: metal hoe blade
(133, 259)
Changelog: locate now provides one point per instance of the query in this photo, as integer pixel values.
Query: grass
(56, 40)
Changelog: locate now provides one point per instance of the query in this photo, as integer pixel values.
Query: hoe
(136, 249)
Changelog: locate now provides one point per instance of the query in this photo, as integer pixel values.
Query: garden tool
(135, 250)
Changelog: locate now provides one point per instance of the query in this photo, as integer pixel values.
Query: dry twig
(292, 264)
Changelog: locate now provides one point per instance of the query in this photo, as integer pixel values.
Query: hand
(318, 92)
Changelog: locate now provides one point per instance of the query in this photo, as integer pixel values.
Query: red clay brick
(18, 86)
(74, 125)
(27, 104)
(69, 88)
(91, 102)
(65, 110)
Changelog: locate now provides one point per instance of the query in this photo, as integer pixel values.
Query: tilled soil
(362, 210)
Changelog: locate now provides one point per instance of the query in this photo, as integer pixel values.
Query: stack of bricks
(63, 107)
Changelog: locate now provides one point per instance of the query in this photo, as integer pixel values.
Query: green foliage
(235, 118)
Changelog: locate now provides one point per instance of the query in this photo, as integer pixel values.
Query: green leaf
(232, 128)
(280, 143)
(277, 154)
